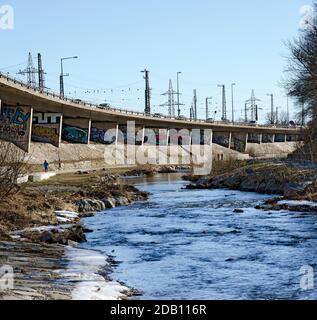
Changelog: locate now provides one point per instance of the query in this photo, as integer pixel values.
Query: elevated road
(15, 92)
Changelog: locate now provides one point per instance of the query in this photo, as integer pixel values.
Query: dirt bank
(43, 219)
(289, 179)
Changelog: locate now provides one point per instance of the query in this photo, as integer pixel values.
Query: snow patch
(83, 269)
(298, 203)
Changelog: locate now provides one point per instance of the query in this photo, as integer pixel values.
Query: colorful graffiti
(46, 128)
(280, 138)
(75, 134)
(254, 138)
(102, 136)
(15, 125)
(267, 138)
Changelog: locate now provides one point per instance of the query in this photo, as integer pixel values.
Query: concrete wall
(271, 150)
(16, 125)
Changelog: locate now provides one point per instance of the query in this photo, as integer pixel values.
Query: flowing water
(189, 244)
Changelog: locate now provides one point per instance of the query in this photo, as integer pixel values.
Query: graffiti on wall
(221, 140)
(102, 136)
(267, 138)
(46, 128)
(254, 138)
(280, 138)
(15, 125)
(74, 134)
(238, 144)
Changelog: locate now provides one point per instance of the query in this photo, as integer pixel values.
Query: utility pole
(30, 72)
(207, 107)
(40, 72)
(61, 78)
(195, 105)
(178, 94)
(246, 112)
(272, 107)
(147, 109)
(224, 102)
(277, 116)
(232, 85)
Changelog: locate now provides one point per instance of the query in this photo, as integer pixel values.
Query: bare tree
(302, 70)
(302, 76)
(283, 118)
(13, 165)
(270, 118)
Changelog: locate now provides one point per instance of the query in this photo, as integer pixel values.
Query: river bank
(41, 227)
(289, 181)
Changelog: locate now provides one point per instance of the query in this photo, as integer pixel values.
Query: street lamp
(224, 102)
(64, 75)
(178, 103)
(232, 85)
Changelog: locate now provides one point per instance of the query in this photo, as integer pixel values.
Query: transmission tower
(253, 107)
(171, 100)
(30, 72)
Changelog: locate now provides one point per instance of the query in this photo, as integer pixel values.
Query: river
(189, 244)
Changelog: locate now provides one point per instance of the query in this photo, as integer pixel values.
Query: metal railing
(94, 106)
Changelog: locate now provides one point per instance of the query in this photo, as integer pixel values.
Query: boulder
(238, 211)
(109, 203)
(89, 205)
(122, 201)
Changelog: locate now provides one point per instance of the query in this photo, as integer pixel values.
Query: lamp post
(224, 102)
(62, 93)
(232, 85)
(178, 103)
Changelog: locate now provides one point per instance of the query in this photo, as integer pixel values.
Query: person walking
(46, 166)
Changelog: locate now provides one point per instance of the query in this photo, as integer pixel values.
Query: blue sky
(211, 42)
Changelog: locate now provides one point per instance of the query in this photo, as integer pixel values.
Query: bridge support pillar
(143, 135)
(60, 132)
(168, 137)
(246, 141)
(230, 140)
(89, 131)
(117, 134)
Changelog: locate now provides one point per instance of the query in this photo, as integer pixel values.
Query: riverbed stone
(109, 203)
(89, 205)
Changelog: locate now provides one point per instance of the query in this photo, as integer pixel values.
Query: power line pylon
(253, 107)
(171, 100)
(30, 72)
